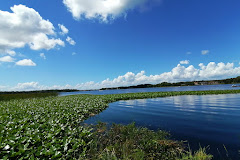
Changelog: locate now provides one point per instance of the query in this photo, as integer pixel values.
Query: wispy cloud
(204, 52)
(42, 55)
(70, 41)
(6, 59)
(64, 30)
(184, 62)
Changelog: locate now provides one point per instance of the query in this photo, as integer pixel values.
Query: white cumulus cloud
(30, 86)
(70, 41)
(64, 30)
(184, 62)
(6, 59)
(24, 26)
(27, 86)
(25, 62)
(105, 10)
(179, 73)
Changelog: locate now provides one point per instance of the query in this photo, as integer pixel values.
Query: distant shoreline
(163, 84)
(179, 84)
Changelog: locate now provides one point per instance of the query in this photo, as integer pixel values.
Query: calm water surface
(202, 120)
(159, 89)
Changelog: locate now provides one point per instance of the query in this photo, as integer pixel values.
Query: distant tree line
(230, 80)
(40, 91)
(5, 96)
(192, 83)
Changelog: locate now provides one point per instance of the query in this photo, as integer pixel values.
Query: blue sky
(116, 42)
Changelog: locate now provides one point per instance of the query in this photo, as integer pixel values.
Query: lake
(208, 120)
(158, 89)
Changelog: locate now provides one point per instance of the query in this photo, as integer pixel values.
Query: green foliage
(127, 96)
(229, 81)
(50, 127)
(130, 142)
(46, 128)
(10, 96)
(198, 155)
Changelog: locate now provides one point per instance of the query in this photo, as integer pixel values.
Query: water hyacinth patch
(45, 127)
(50, 127)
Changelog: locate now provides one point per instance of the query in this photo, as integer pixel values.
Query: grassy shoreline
(50, 127)
(10, 96)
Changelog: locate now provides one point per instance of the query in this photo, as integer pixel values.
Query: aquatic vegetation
(50, 127)
(45, 127)
(127, 96)
(5, 96)
(138, 143)
(131, 142)
(198, 155)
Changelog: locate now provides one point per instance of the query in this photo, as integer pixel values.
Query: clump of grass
(131, 142)
(198, 155)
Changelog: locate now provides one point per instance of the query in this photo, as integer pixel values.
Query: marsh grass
(138, 143)
(200, 154)
(8, 96)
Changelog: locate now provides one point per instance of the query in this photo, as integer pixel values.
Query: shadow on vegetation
(137, 143)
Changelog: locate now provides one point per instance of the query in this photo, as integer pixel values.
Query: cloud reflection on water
(133, 103)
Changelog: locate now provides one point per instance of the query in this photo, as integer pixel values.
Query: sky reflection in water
(206, 120)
